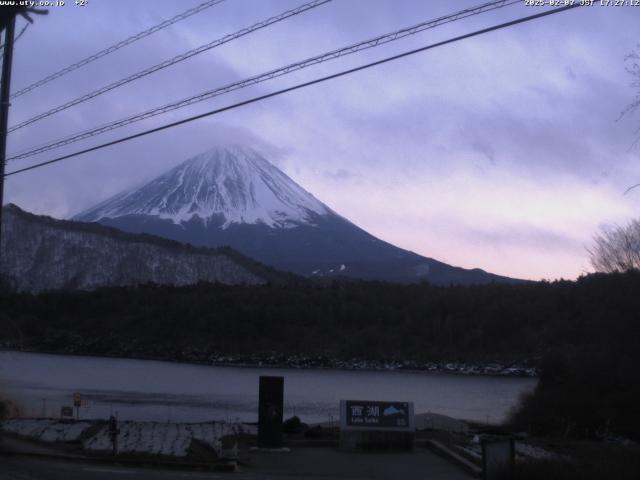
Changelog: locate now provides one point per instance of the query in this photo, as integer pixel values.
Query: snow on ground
(46, 430)
(158, 438)
(532, 452)
(471, 451)
(524, 451)
(153, 438)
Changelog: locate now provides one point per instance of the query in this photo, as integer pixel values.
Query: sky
(505, 152)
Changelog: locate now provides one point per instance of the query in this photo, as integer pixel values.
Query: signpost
(368, 424)
(498, 458)
(77, 401)
(66, 413)
(113, 434)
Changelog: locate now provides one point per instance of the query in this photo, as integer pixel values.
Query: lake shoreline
(151, 390)
(493, 369)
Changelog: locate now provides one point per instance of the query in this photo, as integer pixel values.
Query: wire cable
(298, 86)
(117, 46)
(351, 49)
(24, 29)
(172, 61)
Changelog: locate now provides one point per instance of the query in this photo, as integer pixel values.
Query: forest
(582, 335)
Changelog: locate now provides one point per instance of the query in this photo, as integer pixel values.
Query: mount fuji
(233, 196)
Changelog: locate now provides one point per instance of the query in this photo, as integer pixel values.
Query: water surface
(164, 391)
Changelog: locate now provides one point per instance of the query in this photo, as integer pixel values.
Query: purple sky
(501, 152)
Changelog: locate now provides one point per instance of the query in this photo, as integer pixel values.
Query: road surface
(307, 463)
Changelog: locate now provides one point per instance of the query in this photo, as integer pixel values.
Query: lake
(165, 391)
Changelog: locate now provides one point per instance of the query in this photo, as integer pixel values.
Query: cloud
(340, 175)
(500, 152)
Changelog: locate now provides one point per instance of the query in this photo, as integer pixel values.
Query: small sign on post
(368, 424)
(77, 401)
(66, 413)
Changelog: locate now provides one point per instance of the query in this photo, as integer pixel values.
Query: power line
(22, 31)
(631, 188)
(24, 28)
(117, 46)
(374, 42)
(382, 39)
(298, 86)
(172, 61)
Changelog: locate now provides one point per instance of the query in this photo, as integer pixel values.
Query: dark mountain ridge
(42, 253)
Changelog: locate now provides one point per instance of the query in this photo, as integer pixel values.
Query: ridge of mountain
(232, 195)
(42, 253)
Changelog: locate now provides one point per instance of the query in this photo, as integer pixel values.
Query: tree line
(583, 334)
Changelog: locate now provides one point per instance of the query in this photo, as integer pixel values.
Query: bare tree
(616, 249)
(633, 68)
(632, 62)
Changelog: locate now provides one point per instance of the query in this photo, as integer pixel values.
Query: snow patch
(524, 451)
(531, 451)
(46, 430)
(173, 439)
(235, 183)
(159, 438)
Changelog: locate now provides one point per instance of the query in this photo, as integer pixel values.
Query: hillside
(41, 253)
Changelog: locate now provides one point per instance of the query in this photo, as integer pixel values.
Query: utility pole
(5, 93)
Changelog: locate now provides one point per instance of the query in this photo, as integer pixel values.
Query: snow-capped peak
(236, 182)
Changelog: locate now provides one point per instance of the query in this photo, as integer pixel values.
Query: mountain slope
(40, 253)
(234, 196)
(234, 183)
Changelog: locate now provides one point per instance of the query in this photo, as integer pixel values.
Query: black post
(498, 457)
(5, 93)
(113, 434)
(271, 399)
